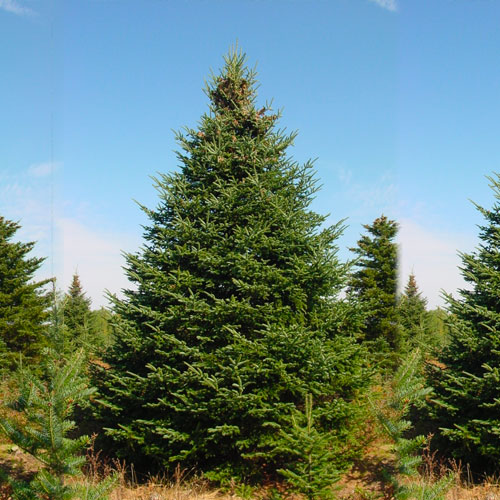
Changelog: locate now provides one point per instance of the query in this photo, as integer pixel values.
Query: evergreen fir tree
(101, 327)
(85, 328)
(235, 314)
(375, 282)
(23, 301)
(76, 309)
(408, 390)
(313, 471)
(466, 379)
(438, 324)
(413, 317)
(45, 404)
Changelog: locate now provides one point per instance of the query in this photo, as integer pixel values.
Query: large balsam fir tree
(466, 380)
(234, 317)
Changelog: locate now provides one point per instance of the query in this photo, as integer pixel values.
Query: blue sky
(397, 99)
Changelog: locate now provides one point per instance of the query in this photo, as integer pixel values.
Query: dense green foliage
(375, 282)
(234, 316)
(466, 380)
(438, 326)
(23, 302)
(415, 320)
(84, 327)
(76, 311)
(313, 470)
(407, 390)
(45, 404)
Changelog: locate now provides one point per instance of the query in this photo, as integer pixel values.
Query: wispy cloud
(386, 4)
(43, 169)
(433, 257)
(380, 193)
(14, 8)
(29, 204)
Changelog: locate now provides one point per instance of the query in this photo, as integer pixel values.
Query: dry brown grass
(365, 481)
(154, 491)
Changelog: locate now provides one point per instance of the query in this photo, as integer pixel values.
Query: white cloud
(43, 169)
(69, 244)
(95, 255)
(14, 8)
(433, 258)
(387, 4)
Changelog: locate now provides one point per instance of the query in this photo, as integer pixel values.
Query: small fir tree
(76, 311)
(407, 391)
(466, 379)
(42, 427)
(374, 282)
(312, 471)
(101, 327)
(413, 317)
(85, 328)
(235, 314)
(438, 325)
(23, 302)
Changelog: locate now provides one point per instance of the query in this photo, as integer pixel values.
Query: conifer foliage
(466, 380)
(84, 327)
(313, 472)
(76, 309)
(23, 302)
(408, 390)
(375, 282)
(413, 316)
(234, 317)
(45, 403)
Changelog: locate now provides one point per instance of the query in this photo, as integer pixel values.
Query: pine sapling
(407, 390)
(45, 403)
(313, 471)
